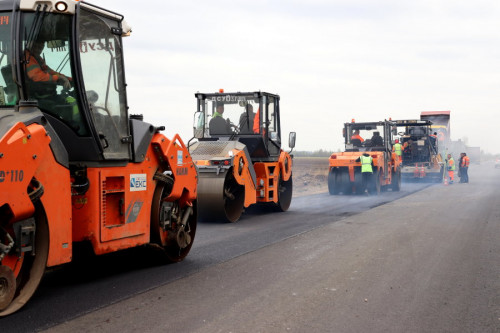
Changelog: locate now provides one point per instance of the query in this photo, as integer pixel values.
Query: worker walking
(398, 149)
(366, 171)
(464, 168)
(451, 168)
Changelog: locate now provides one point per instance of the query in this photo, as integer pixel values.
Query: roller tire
(396, 181)
(358, 181)
(376, 187)
(333, 187)
(285, 191)
(165, 240)
(344, 182)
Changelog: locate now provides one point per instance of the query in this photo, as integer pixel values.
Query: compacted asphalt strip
(410, 261)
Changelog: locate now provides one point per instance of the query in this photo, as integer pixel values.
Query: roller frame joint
(25, 232)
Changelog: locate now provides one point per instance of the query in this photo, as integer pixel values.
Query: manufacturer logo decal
(179, 157)
(138, 182)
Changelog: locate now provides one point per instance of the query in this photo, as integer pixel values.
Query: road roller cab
(374, 138)
(74, 166)
(238, 154)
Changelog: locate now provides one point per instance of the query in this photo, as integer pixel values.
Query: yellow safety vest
(366, 163)
(451, 164)
(398, 148)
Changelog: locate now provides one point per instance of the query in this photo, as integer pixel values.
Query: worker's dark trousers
(464, 175)
(366, 181)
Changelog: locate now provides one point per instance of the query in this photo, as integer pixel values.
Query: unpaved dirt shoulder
(310, 175)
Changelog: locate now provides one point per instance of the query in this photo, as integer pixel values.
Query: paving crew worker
(366, 171)
(376, 140)
(398, 149)
(217, 124)
(460, 167)
(434, 138)
(356, 136)
(451, 168)
(464, 168)
(247, 120)
(407, 148)
(42, 81)
(38, 71)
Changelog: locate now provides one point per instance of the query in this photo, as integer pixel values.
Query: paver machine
(374, 138)
(440, 125)
(238, 154)
(421, 159)
(75, 167)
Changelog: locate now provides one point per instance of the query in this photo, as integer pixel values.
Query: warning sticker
(138, 182)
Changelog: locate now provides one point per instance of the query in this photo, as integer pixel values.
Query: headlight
(61, 6)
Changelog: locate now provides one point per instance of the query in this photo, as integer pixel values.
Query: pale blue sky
(330, 61)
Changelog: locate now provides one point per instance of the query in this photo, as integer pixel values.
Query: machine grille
(210, 149)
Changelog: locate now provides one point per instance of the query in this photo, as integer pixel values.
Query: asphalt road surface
(426, 259)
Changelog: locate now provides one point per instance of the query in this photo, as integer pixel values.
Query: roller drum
(220, 198)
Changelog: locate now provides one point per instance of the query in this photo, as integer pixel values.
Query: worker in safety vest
(366, 171)
(218, 125)
(398, 149)
(451, 168)
(464, 168)
(38, 71)
(356, 136)
(42, 82)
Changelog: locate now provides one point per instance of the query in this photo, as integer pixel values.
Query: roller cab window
(226, 115)
(8, 88)
(47, 67)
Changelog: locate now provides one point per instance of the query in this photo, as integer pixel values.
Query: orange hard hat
(397, 141)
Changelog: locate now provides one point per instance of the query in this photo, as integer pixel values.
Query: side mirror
(291, 139)
(198, 124)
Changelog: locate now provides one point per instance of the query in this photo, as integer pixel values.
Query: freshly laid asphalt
(426, 259)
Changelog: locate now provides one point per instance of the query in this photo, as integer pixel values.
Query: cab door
(272, 123)
(103, 76)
